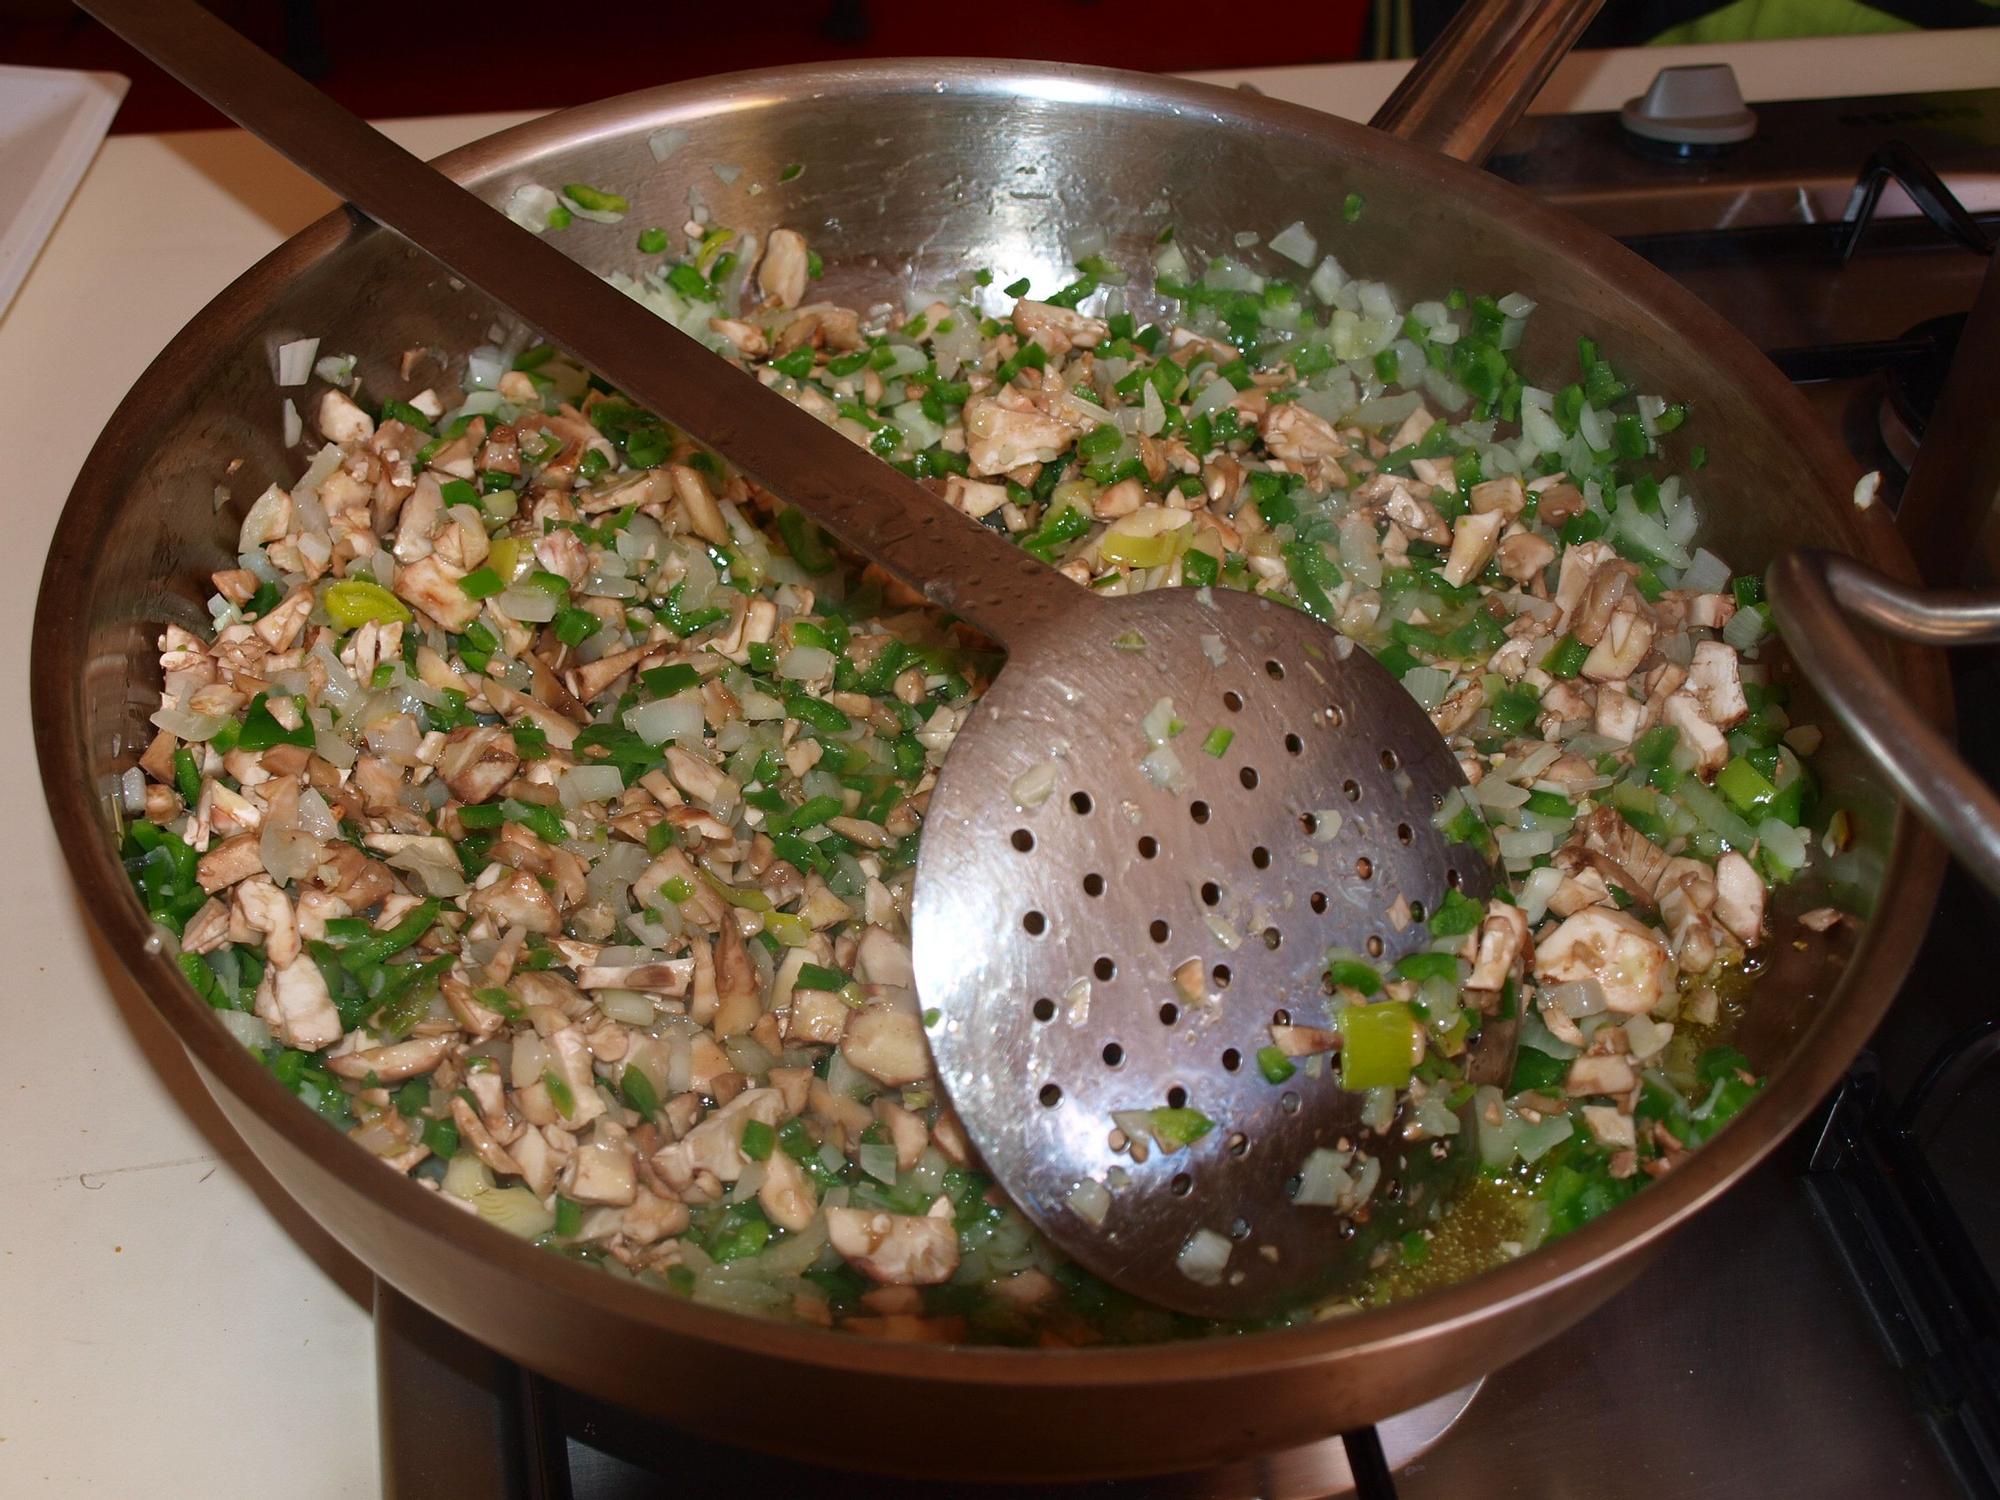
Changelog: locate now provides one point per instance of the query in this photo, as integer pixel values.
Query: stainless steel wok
(923, 169)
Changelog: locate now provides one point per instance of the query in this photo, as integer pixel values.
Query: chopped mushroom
(999, 438)
(896, 1249)
(1626, 958)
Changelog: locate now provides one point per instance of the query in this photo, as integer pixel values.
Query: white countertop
(174, 1327)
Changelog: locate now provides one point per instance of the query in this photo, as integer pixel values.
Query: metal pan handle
(1809, 590)
(1482, 73)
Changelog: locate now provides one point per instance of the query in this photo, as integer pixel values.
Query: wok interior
(909, 181)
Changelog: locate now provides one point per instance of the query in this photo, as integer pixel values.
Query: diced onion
(1164, 769)
(1498, 1127)
(1032, 787)
(246, 1028)
(1428, 685)
(1434, 1117)
(295, 361)
(666, 719)
(1217, 394)
(1534, 1141)
(1327, 280)
(528, 604)
(1745, 629)
(589, 784)
(1204, 1257)
(1789, 846)
(1296, 243)
(1324, 1181)
(664, 143)
(1536, 890)
(530, 205)
(1583, 997)
(516, 1210)
(804, 663)
(1090, 1200)
(1707, 574)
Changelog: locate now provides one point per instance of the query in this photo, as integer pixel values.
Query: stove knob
(1690, 108)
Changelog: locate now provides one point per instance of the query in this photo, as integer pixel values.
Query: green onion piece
(1745, 787)
(481, 583)
(1377, 1045)
(652, 241)
(1353, 974)
(442, 1137)
(1217, 743)
(1456, 915)
(261, 729)
(1422, 966)
(665, 682)
(1175, 1128)
(758, 1139)
(638, 1092)
(597, 200)
(789, 928)
(569, 1218)
(353, 602)
(560, 1094)
(1566, 657)
(187, 776)
(811, 711)
(746, 899)
(1274, 1065)
(821, 977)
(575, 626)
(744, 1232)
(408, 415)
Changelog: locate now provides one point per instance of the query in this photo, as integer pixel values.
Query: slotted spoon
(1092, 940)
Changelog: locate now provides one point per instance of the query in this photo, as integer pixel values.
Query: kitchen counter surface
(174, 1326)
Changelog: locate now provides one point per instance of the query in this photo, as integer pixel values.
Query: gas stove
(1830, 1328)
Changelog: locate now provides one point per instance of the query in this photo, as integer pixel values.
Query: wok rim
(1878, 965)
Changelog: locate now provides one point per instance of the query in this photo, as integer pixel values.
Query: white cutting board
(51, 122)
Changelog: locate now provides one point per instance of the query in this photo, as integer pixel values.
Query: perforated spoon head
(1093, 941)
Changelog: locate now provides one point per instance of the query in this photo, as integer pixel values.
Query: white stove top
(174, 1326)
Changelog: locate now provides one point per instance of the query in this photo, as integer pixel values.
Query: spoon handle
(959, 565)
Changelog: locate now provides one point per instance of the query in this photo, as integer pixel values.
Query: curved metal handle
(956, 563)
(1809, 589)
(1482, 73)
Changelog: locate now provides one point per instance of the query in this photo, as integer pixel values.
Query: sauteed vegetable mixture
(543, 803)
